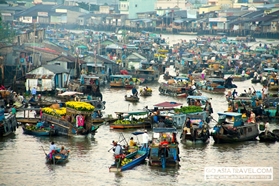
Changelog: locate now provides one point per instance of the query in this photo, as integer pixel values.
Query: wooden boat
(240, 77)
(131, 98)
(57, 158)
(145, 93)
(276, 132)
(130, 122)
(213, 86)
(22, 120)
(131, 160)
(199, 133)
(120, 81)
(62, 126)
(38, 132)
(270, 137)
(42, 103)
(231, 128)
(9, 125)
(162, 154)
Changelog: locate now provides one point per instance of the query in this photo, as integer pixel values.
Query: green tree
(6, 31)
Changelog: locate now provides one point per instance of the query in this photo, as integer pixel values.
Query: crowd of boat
(201, 66)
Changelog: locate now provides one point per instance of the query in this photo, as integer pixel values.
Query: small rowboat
(145, 93)
(131, 98)
(270, 137)
(57, 158)
(134, 159)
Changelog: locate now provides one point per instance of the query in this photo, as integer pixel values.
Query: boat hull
(244, 133)
(8, 126)
(130, 126)
(132, 99)
(39, 132)
(270, 137)
(57, 159)
(27, 120)
(164, 157)
(214, 91)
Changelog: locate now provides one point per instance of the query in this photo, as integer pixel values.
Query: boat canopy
(121, 76)
(181, 78)
(137, 133)
(237, 121)
(164, 130)
(168, 104)
(141, 112)
(70, 93)
(232, 114)
(198, 97)
(270, 70)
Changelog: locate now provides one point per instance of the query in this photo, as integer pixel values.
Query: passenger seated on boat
(63, 151)
(39, 124)
(161, 124)
(131, 142)
(187, 128)
(164, 142)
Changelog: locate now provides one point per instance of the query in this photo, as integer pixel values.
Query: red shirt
(164, 143)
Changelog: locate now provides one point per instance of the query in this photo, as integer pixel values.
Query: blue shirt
(33, 91)
(39, 124)
(2, 114)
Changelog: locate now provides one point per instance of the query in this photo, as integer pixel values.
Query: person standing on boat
(187, 128)
(203, 73)
(266, 126)
(252, 118)
(33, 92)
(145, 139)
(134, 92)
(234, 94)
(52, 147)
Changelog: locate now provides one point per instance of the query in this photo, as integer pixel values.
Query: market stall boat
(199, 133)
(121, 81)
(212, 85)
(8, 125)
(64, 122)
(164, 150)
(231, 128)
(146, 92)
(32, 130)
(270, 137)
(127, 120)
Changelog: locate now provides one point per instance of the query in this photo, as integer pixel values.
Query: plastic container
(261, 126)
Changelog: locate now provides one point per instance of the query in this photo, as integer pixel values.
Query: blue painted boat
(38, 132)
(133, 159)
(57, 158)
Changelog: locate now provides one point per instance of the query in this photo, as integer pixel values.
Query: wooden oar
(44, 150)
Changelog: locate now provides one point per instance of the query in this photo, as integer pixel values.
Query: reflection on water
(23, 159)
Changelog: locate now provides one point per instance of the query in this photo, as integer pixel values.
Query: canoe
(270, 137)
(133, 159)
(57, 158)
(131, 98)
(276, 132)
(39, 132)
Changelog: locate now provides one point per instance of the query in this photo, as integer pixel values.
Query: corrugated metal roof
(56, 69)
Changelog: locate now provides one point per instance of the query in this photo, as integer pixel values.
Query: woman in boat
(252, 118)
(131, 142)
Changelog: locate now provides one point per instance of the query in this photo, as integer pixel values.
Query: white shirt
(52, 147)
(265, 90)
(193, 87)
(118, 150)
(203, 71)
(266, 126)
(145, 138)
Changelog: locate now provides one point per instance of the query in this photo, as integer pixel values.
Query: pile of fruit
(160, 55)
(149, 90)
(54, 112)
(80, 106)
(125, 161)
(163, 51)
(188, 109)
(122, 122)
(33, 127)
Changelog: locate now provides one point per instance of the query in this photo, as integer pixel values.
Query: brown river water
(22, 160)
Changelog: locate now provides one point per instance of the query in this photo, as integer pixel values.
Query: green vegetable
(189, 109)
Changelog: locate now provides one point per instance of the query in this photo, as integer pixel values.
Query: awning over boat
(198, 97)
(168, 104)
(232, 114)
(164, 130)
(70, 93)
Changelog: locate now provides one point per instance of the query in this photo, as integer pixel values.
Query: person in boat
(161, 124)
(164, 142)
(187, 128)
(264, 92)
(252, 118)
(234, 94)
(89, 97)
(63, 151)
(2, 113)
(52, 147)
(39, 124)
(118, 153)
(33, 92)
(131, 142)
(14, 110)
(266, 126)
(203, 73)
(250, 91)
(126, 81)
(134, 92)
(197, 103)
(145, 137)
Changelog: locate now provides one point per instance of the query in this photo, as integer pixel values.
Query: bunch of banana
(122, 122)
(125, 161)
(149, 90)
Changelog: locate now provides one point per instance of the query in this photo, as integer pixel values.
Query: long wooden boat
(139, 125)
(57, 158)
(213, 90)
(131, 160)
(270, 137)
(38, 132)
(188, 33)
(234, 130)
(131, 98)
(9, 125)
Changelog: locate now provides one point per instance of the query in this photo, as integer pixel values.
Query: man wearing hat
(145, 139)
